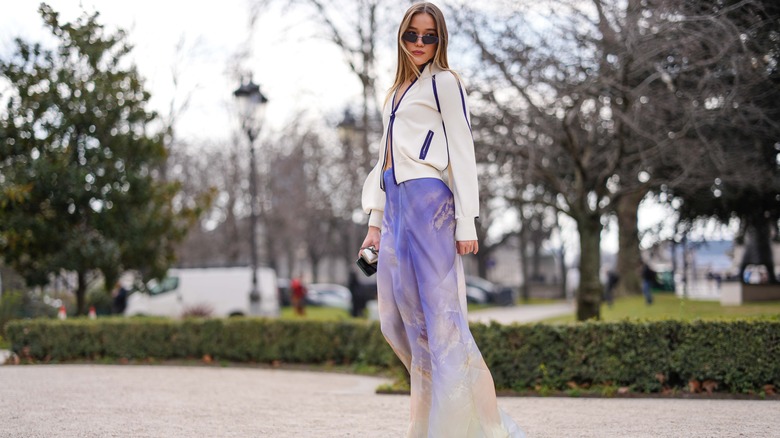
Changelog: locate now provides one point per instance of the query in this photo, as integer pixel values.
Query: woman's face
(422, 24)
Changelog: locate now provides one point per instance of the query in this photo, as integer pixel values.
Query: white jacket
(430, 129)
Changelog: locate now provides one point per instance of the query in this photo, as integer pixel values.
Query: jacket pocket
(426, 145)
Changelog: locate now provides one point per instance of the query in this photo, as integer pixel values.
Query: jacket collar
(429, 71)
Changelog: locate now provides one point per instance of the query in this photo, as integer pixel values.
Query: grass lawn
(533, 300)
(668, 306)
(333, 314)
(317, 314)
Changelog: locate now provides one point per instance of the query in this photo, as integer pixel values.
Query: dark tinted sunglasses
(412, 37)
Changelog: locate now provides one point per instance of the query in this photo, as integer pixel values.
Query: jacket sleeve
(460, 147)
(373, 198)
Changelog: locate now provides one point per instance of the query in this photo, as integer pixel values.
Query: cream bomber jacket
(427, 130)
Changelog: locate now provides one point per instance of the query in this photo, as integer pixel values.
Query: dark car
(479, 290)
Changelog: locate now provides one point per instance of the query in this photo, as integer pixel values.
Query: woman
(421, 226)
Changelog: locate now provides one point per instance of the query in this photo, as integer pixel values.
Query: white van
(215, 292)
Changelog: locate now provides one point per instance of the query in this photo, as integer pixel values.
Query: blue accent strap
(443, 127)
(435, 93)
(463, 103)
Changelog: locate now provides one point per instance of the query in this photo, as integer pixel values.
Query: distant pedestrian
(298, 292)
(358, 299)
(648, 279)
(609, 289)
(119, 299)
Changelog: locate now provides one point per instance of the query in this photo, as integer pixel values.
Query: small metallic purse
(367, 260)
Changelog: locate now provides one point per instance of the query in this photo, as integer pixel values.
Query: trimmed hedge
(740, 356)
(232, 339)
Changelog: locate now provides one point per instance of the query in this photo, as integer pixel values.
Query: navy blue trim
(443, 127)
(463, 103)
(426, 145)
(436, 93)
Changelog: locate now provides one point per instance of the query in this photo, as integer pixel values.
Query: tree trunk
(589, 293)
(315, 267)
(525, 290)
(758, 246)
(629, 258)
(232, 251)
(293, 271)
(537, 260)
(365, 155)
(270, 245)
(564, 271)
(562, 260)
(81, 293)
(483, 256)
(353, 240)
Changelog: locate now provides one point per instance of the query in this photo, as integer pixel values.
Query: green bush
(11, 307)
(18, 304)
(740, 356)
(100, 299)
(233, 339)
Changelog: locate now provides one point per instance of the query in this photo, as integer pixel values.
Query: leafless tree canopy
(580, 107)
(588, 103)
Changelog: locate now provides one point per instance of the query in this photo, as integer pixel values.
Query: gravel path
(177, 401)
(521, 313)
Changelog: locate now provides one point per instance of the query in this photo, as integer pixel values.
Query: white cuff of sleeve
(465, 229)
(375, 219)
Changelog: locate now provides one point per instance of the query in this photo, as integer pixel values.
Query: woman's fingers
(372, 239)
(467, 247)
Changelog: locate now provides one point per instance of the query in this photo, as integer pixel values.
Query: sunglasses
(412, 37)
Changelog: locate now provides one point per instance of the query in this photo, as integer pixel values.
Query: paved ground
(521, 313)
(172, 401)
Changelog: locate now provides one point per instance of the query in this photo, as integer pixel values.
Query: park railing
(662, 356)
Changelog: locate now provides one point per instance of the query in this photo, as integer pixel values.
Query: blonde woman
(420, 227)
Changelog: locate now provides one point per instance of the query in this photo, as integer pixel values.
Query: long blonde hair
(406, 69)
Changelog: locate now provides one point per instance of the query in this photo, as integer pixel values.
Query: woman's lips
(418, 52)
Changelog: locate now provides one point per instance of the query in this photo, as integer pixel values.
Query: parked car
(328, 295)
(481, 291)
(211, 291)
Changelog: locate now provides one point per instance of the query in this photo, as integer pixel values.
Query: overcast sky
(296, 70)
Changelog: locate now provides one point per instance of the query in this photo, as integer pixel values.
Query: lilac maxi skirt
(422, 311)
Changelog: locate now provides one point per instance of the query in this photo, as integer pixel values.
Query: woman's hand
(372, 239)
(467, 246)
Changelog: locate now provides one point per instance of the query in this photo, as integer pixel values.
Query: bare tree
(214, 172)
(587, 111)
(735, 172)
(307, 183)
(554, 136)
(353, 26)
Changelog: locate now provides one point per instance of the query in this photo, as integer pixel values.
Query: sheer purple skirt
(422, 310)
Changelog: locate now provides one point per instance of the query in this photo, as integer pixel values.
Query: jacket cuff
(465, 229)
(375, 218)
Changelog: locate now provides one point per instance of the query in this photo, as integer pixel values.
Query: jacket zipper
(388, 139)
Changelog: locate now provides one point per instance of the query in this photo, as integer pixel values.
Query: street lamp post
(251, 107)
(348, 129)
